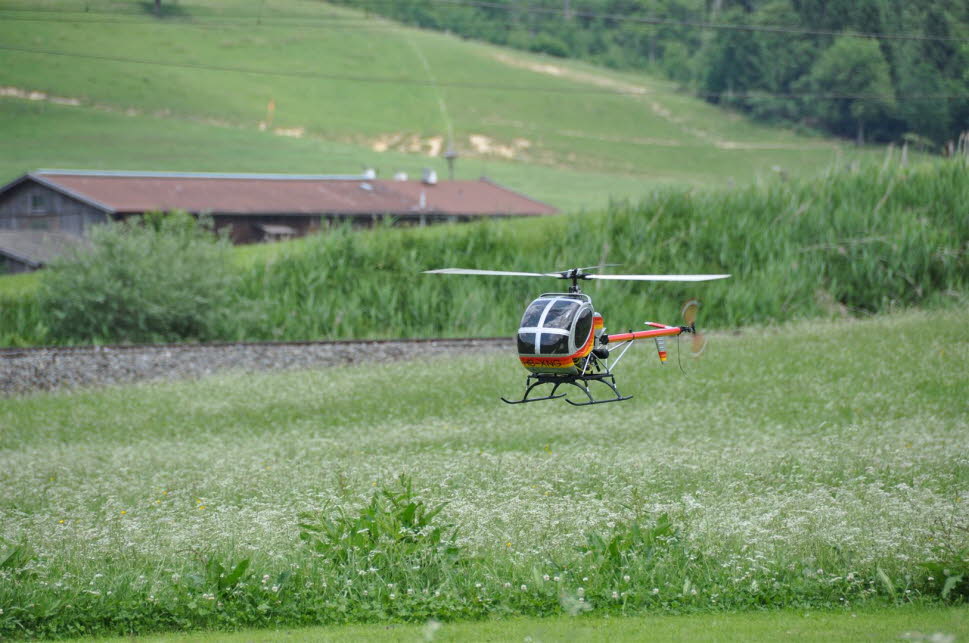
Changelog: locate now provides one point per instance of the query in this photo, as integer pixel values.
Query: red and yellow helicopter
(562, 339)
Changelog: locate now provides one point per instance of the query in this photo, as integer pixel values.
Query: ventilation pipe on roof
(430, 176)
(451, 155)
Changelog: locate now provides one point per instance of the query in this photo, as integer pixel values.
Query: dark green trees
(850, 86)
(811, 62)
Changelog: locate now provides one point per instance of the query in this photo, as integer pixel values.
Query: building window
(38, 203)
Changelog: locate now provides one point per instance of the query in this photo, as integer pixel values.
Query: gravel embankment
(29, 370)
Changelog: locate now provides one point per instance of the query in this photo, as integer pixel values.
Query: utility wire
(697, 24)
(589, 15)
(473, 85)
(316, 23)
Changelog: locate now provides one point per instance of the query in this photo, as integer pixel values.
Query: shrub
(161, 278)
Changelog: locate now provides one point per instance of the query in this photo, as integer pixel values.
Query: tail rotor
(699, 340)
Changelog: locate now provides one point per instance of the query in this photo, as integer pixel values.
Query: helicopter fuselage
(558, 331)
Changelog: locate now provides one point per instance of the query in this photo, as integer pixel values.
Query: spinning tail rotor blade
(699, 341)
(688, 312)
(471, 271)
(698, 344)
(658, 277)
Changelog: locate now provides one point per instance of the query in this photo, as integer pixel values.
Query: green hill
(307, 87)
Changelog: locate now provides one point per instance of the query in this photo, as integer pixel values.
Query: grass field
(787, 625)
(815, 465)
(344, 86)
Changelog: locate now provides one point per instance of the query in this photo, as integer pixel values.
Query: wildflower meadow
(812, 465)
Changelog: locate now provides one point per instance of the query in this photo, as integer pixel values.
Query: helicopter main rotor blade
(471, 271)
(657, 277)
(599, 267)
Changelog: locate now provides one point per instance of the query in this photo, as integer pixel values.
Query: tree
(852, 86)
(733, 61)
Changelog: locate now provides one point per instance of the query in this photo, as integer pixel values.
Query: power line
(476, 86)
(263, 18)
(317, 23)
(698, 24)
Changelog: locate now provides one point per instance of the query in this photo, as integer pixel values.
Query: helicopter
(562, 339)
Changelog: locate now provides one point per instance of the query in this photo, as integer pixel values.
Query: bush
(160, 278)
(547, 44)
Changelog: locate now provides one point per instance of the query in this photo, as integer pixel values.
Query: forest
(872, 70)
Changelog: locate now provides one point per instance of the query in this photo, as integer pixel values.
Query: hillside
(307, 87)
(879, 70)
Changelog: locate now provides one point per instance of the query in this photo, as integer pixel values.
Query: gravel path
(30, 370)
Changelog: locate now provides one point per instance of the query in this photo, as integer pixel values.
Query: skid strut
(579, 381)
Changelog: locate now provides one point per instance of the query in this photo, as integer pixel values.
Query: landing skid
(579, 381)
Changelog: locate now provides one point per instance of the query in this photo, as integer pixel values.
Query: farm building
(251, 207)
(27, 250)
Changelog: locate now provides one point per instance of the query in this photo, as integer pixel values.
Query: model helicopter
(562, 339)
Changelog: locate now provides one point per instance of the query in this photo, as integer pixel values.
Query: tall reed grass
(852, 242)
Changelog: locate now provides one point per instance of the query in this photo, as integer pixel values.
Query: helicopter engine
(557, 331)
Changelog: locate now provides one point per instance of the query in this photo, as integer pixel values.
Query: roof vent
(430, 176)
(366, 186)
(370, 173)
(400, 176)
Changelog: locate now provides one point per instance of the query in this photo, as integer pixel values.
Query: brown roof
(130, 192)
(469, 197)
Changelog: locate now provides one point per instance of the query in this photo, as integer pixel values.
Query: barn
(250, 207)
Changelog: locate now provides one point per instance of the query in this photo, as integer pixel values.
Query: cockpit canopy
(555, 324)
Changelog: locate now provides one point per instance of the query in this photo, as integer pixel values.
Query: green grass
(45, 136)
(557, 136)
(814, 465)
(802, 625)
(851, 243)
(20, 284)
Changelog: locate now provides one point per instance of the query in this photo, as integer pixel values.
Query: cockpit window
(560, 314)
(526, 343)
(546, 326)
(555, 344)
(534, 313)
(583, 326)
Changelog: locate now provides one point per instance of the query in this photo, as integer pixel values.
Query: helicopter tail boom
(661, 330)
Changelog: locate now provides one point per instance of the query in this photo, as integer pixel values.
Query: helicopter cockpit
(556, 325)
